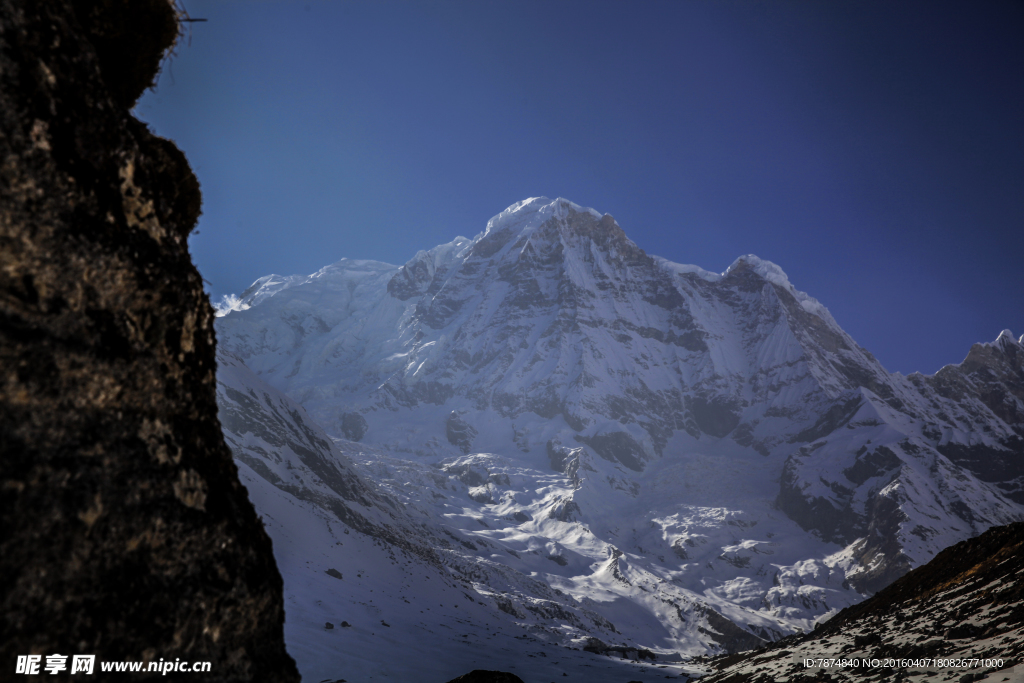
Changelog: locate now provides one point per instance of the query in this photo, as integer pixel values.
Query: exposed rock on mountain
(712, 450)
(353, 426)
(965, 608)
(459, 433)
(124, 531)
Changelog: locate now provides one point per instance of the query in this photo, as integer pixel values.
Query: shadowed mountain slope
(966, 604)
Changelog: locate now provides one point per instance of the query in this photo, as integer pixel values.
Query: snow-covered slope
(378, 590)
(701, 460)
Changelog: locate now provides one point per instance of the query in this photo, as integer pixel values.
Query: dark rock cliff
(124, 531)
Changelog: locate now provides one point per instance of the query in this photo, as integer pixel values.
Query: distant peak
(1006, 338)
(766, 269)
(774, 274)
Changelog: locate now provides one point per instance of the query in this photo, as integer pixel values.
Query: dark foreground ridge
(966, 604)
(124, 531)
(482, 676)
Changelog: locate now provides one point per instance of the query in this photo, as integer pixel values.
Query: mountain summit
(718, 443)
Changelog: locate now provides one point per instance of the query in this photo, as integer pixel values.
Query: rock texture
(124, 531)
(965, 606)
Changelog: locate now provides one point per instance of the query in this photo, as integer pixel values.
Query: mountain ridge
(722, 444)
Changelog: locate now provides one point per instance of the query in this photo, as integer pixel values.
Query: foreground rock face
(124, 531)
(960, 615)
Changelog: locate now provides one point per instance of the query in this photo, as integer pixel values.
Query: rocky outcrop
(459, 432)
(353, 426)
(566, 460)
(617, 447)
(124, 531)
(598, 647)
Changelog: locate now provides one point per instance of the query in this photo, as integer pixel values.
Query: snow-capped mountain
(702, 460)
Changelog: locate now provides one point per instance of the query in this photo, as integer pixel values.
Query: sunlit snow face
(583, 441)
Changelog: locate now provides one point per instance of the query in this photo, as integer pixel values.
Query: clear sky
(874, 150)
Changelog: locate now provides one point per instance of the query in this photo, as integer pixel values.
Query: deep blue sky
(874, 150)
